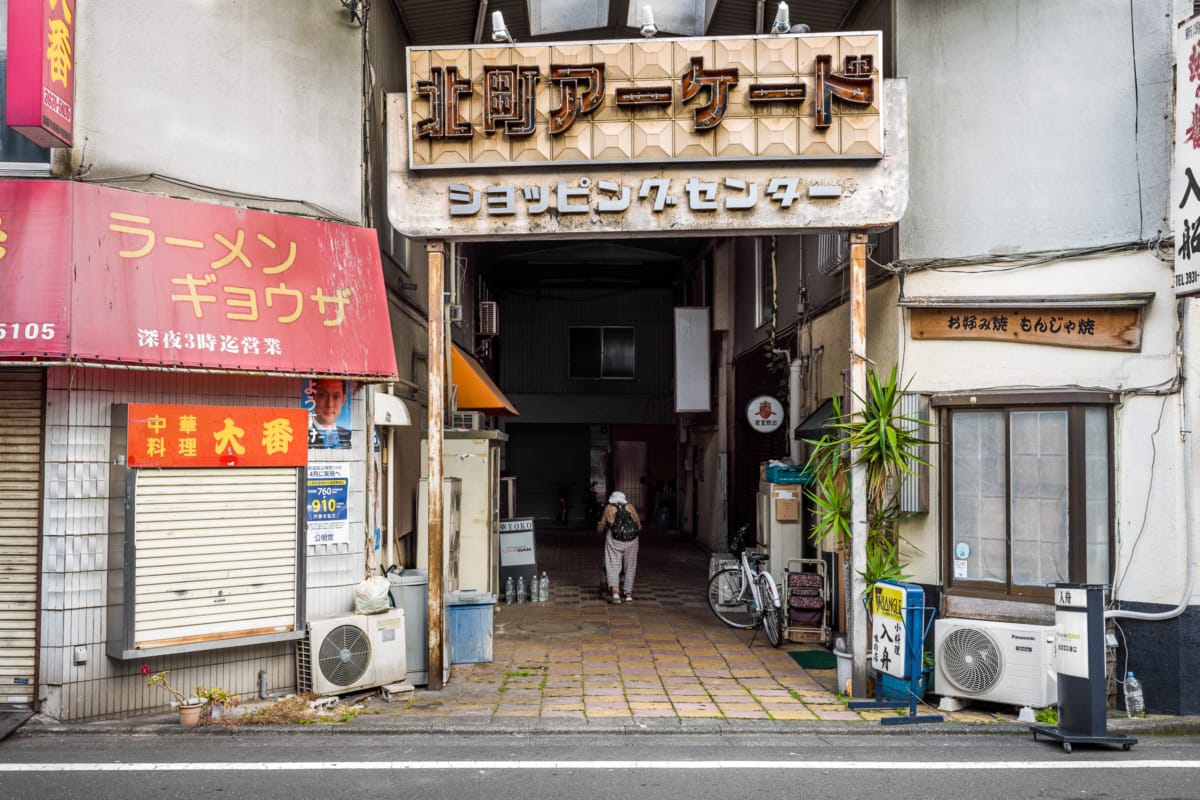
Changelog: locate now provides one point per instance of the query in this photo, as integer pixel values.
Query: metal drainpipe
(794, 372)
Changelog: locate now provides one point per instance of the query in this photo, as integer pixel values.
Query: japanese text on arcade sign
(216, 436)
(625, 101)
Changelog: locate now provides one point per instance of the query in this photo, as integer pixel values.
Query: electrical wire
(1145, 506)
(990, 263)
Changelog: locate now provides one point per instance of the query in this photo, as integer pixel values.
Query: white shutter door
(216, 554)
(20, 493)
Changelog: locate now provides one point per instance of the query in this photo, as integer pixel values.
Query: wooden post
(859, 635)
(436, 250)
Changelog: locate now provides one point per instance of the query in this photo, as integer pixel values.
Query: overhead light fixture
(649, 29)
(499, 29)
(781, 24)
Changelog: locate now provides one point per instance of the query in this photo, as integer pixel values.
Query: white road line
(806, 766)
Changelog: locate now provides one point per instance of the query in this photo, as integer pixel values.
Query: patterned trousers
(616, 555)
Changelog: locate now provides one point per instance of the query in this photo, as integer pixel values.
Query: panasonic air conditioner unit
(998, 662)
(349, 652)
(488, 323)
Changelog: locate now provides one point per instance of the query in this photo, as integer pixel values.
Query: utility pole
(436, 250)
(859, 635)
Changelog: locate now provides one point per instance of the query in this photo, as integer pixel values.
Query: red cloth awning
(99, 275)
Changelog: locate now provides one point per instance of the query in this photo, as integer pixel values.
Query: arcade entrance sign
(648, 138)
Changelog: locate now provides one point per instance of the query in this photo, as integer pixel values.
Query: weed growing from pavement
(295, 709)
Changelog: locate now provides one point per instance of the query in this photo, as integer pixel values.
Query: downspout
(795, 370)
(758, 16)
(1185, 435)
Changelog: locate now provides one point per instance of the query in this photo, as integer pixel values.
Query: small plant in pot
(189, 707)
(216, 701)
(889, 446)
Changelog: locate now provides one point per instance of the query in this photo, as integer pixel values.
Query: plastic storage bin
(410, 591)
(469, 613)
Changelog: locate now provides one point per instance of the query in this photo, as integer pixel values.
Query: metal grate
(971, 660)
(489, 318)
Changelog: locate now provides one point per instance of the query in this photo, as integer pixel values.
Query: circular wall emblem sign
(764, 413)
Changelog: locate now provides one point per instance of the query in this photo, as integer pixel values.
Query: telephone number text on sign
(27, 330)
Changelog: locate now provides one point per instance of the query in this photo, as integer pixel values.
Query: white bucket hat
(617, 497)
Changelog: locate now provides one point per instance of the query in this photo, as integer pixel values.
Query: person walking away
(621, 524)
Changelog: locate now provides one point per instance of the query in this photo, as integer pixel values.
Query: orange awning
(476, 391)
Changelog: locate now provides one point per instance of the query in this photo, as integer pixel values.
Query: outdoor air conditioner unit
(488, 323)
(469, 421)
(349, 652)
(999, 662)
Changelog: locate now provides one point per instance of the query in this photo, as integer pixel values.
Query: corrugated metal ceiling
(448, 22)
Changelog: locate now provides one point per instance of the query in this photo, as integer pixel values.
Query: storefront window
(1028, 493)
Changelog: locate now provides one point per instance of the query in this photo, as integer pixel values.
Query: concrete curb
(374, 725)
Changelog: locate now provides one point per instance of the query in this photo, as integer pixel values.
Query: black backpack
(624, 529)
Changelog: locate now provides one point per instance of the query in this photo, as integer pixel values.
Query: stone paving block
(742, 711)
(791, 712)
(607, 712)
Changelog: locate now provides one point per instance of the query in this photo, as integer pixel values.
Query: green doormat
(814, 659)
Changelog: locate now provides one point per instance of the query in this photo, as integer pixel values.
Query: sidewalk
(662, 663)
(664, 657)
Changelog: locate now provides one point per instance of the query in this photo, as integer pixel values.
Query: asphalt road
(313, 764)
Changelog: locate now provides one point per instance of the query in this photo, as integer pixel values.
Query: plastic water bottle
(544, 588)
(1135, 703)
(520, 589)
(510, 591)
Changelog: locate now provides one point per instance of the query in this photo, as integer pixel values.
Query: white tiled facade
(74, 559)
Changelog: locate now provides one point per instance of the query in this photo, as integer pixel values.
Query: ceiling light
(649, 29)
(499, 29)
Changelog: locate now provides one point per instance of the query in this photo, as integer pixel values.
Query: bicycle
(746, 596)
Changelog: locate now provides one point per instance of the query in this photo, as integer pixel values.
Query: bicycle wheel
(730, 599)
(772, 620)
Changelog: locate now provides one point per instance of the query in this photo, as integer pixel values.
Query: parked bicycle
(746, 596)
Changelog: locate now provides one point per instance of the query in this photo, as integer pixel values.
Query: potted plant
(889, 445)
(216, 700)
(189, 707)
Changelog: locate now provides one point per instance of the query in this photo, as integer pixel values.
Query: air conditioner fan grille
(344, 655)
(970, 658)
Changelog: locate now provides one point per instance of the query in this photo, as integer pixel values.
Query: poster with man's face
(328, 404)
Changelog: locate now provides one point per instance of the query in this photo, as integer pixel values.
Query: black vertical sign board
(1079, 662)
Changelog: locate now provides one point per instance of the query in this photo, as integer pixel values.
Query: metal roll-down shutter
(20, 503)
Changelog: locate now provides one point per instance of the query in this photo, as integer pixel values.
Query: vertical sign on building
(1185, 186)
(40, 83)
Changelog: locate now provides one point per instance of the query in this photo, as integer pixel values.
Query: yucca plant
(889, 446)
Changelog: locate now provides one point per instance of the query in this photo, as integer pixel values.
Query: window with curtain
(1028, 497)
(601, 352)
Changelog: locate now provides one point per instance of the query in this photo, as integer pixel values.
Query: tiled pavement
(664, 657)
